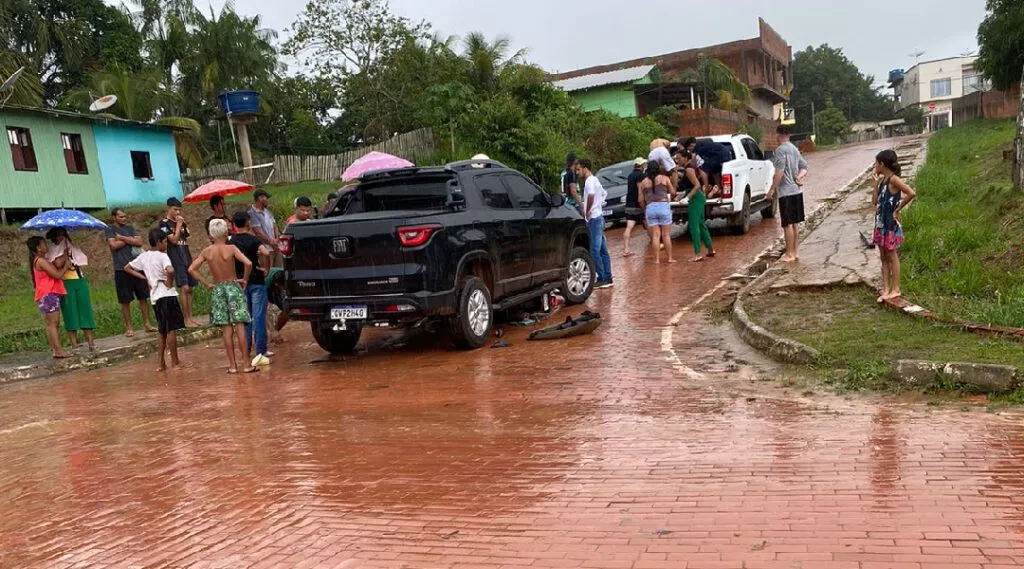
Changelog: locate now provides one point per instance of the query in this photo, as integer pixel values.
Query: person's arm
(264, 254)
(134, 270)
(703, 175)
(904, 189)
(175, 236)
(131, 240)
(193, 269)
(692, 176)
(575, 192)
(52, 269)
(640, 199)
(775, 184)
(113, 240)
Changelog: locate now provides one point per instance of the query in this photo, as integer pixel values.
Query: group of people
(243, 256)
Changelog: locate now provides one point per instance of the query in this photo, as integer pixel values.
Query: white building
(933, 85)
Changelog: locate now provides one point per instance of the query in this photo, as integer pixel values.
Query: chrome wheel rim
(479, 312)
(579, 276)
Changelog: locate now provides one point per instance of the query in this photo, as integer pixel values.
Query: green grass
(965, 232)
(859, 340)
(282, 197)
(21, 325)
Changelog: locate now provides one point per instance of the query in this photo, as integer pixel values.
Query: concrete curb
(102, 358)
(775, 346)
(987, 378)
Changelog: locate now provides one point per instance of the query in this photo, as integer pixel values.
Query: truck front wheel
(471, 326)
(336, 342)
(579, 283)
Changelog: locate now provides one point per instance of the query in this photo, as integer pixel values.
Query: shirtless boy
(227, 303)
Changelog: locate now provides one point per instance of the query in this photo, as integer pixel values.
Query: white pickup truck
(746, 179)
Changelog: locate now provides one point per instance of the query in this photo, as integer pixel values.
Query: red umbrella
(218, 188)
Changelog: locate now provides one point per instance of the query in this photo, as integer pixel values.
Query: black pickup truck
(451, 244)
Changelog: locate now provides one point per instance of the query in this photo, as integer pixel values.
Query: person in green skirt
(696, 200)
(76, 305)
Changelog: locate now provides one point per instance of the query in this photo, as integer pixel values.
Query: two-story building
(934, 85)
(639, 86)
(60, 158)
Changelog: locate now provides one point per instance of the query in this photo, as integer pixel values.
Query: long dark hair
(570, 159)
(890, 160)
(653, 170)
(33, 244)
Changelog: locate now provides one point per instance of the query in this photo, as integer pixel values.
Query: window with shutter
(21, 149)
(74, 154)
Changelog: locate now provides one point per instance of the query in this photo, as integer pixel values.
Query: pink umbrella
(374, 161)
(218, 188)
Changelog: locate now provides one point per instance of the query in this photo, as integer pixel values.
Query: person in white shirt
(594, 196)
(155, 268)
(661, 155)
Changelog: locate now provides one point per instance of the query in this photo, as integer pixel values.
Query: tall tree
(823, 74)
(1001, 58)
(488, 59)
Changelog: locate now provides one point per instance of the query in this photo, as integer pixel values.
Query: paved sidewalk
(834, 252)
(112, 349)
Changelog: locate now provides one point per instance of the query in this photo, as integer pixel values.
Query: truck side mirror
(557, 200)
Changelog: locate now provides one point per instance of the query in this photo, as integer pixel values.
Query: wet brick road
(597, 452)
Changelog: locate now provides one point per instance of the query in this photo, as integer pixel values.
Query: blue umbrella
(69, 218)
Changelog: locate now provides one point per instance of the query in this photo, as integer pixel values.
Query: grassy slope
(20, 324)
(964, 255)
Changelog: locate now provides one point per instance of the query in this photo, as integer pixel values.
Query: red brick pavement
(586, 453)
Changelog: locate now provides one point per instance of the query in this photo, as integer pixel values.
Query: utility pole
(814, 123)
(1018, 143)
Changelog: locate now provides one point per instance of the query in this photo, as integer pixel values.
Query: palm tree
(164, 24)
(487, 59)
(142, 97)
(720, 79)
(27, 90)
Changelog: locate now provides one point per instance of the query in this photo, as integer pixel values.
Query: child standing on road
(227, 302)
(47, 278)
(892, 197)
(156, 269)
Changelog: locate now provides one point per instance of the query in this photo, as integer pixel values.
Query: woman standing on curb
(888, 227)
(49, 288)
(76, 305)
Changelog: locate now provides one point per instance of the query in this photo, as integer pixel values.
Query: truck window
(752, 149)
(493, 193)
(402, 194)
(526, 194)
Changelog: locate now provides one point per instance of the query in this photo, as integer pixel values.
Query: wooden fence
(412, 146)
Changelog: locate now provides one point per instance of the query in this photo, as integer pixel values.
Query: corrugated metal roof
(600, 79)
(104, 118)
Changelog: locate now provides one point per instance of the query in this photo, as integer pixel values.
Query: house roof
(82, 116)
(618, 76)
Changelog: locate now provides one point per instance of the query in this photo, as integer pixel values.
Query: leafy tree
(1001, 42)
(487, 60)
(914, 117)
(725, 90)
(27, 90)
(823, 74)
(832, 124)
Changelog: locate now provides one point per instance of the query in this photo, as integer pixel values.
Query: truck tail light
(286, 243)
(727, 186)
(417, 235)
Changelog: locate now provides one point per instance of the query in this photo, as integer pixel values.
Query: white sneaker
(259, 361)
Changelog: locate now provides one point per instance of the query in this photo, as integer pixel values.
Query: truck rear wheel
(769, 212)
(579, 283)
(741, 221)
(336, 342)
(471, 326)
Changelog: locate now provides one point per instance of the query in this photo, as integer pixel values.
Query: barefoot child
(47, 278)
(227, 303)
(893, 195)
(156, 269)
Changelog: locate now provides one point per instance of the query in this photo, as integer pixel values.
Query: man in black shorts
(634, 214)
(790, 169)
(125, 245)
(174, 227)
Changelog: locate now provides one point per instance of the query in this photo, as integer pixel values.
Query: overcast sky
(878, 35)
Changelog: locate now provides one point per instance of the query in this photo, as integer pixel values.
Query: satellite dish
(8, 86)
(102, 103)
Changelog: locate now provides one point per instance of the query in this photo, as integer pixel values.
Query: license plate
(606, 213)
(348, 312)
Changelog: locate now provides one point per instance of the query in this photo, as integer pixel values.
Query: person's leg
(606, 258)
(884, 258)
(788, 233)
(227, 337)
(666, 238)
(796, 241)
(595, 248)
(161, 344)
(655, 231)
(695, 216)
(172, 344)
(143, 296)
(250, 292)
(126, 318)
(894, 274)
(239, 330)
(705, 236)
(69, 313)
(625, 237)
(53, 334)
(86, 316)
(258, 311)
(186, 304)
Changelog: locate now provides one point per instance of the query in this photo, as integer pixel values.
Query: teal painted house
(58, 158)
(138, 164)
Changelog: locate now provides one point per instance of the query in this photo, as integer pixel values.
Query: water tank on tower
(241, 107)
(896, 75)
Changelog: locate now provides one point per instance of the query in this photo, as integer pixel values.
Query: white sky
(877, 35)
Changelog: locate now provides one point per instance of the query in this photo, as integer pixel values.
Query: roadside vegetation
(965, 234)
(859, 341)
